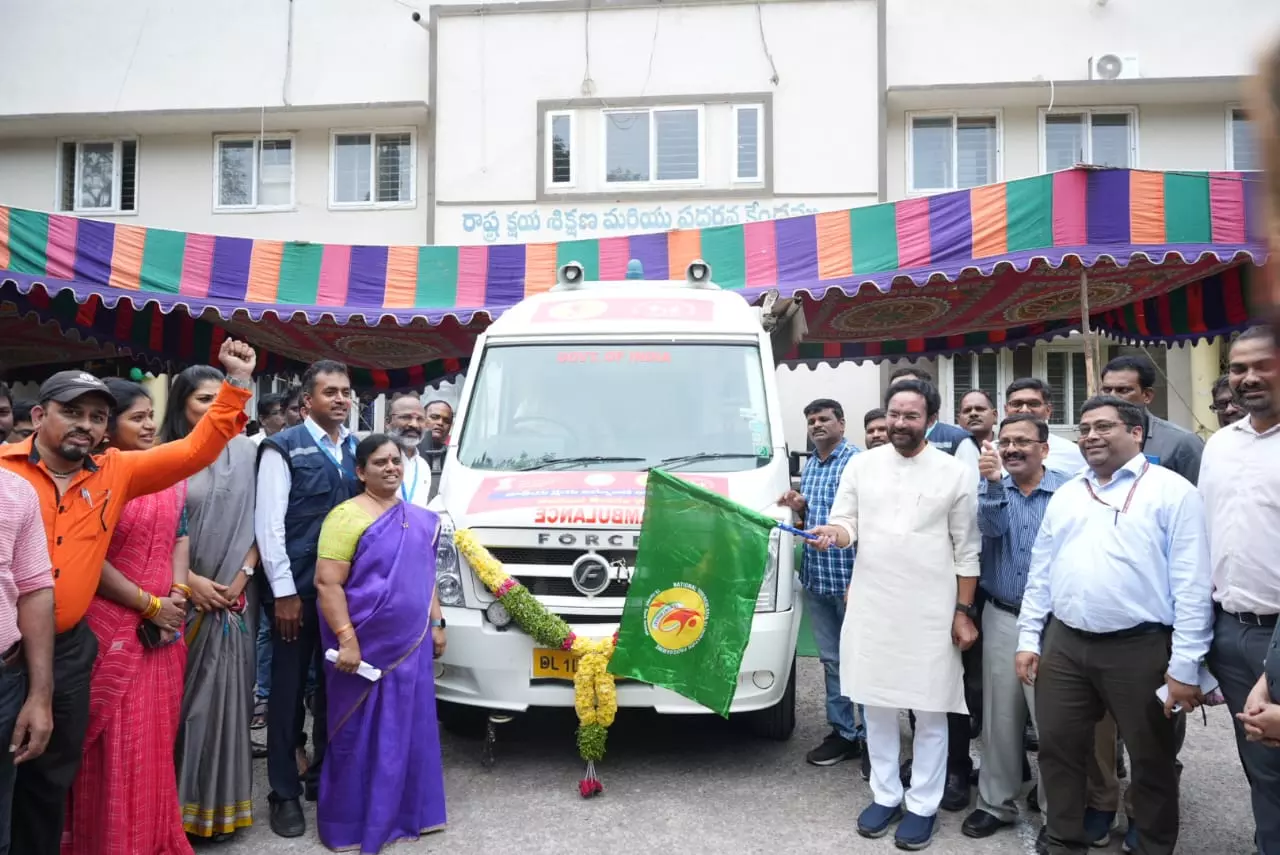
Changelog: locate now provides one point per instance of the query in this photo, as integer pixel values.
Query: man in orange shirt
(81, 496)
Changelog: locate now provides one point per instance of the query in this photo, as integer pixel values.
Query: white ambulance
(572, 397)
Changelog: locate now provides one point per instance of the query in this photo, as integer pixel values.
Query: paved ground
(700, 785)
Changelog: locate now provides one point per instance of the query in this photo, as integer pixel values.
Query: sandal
(259, 720)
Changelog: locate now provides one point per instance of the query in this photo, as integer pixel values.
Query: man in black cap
(81, 495)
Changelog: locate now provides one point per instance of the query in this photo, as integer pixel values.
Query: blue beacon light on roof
(635, 270)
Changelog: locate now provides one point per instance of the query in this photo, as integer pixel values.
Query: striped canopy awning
(384, 308)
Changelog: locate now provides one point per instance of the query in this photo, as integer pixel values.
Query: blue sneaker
(1097, 826)
(875, 820)
(915, 832)
(1130, 837)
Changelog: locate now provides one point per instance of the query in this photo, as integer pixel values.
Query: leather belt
(1250, 618)
(10, 656)
(1003, 606)
(1145, 628)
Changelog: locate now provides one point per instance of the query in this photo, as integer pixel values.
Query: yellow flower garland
(595, 696)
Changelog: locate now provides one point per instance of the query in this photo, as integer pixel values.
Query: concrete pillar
(1205, 362)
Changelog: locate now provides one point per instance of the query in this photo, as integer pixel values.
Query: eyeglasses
(1098, 428)
(1020, 443)
(1023, 406)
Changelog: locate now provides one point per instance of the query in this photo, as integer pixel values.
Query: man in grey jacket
(1133, 378)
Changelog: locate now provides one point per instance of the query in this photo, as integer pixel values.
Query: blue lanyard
(334, 454)
(408, 495)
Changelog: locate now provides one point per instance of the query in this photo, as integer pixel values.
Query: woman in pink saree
(125, 798)
(382, 778)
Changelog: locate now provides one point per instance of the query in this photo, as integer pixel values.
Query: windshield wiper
(571, 461)
(668, 463)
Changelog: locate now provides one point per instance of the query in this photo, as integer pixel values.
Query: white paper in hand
(365, 670)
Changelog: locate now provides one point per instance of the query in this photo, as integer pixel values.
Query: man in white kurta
(913, 511)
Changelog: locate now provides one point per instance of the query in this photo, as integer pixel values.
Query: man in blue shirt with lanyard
(825, 575)
(303, 473)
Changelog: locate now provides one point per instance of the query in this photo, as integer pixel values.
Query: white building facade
(555, 120)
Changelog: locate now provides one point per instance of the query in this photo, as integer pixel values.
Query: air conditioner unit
(1113, 66)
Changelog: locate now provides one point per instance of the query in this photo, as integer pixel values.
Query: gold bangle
(144, 598)
(346, 627)
(153, 608)
(185, 590)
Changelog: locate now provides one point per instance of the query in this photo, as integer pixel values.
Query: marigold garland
(595, 696)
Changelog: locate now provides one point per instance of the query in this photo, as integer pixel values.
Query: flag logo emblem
(676, 618)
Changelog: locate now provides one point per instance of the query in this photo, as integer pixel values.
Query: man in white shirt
(912, 509)
(303, 473)
(406, 424)
(1032, 395)
(1240, 483)
(1121, 564)
(271, 418)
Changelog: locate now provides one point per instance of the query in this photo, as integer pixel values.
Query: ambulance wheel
(778, 721)
(462, 720)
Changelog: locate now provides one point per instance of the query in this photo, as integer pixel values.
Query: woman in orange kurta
(125, 798)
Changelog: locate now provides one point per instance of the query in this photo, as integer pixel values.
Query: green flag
(698, 572)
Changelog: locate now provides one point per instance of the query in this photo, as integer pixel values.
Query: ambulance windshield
(693, 407)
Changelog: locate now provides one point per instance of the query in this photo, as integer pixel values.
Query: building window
(98, 176)
(1064, 371)
(952, 151)
(1096, 137)
(659, 145)
(373, 169)
(1242, 146)
(748, 143)
(254, 173)
(560, 150)
(985, 371)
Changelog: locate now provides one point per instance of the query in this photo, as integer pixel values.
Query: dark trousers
(290, 662)
(1236, 660)
(959, 727)
(40, 793)
(1080, 678)
(13, 693)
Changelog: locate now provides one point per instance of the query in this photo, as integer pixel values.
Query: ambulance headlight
(767, 601)
(448, 567)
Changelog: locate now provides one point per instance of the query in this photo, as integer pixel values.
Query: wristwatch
(247, 571)
(437, 624)
(969, 610)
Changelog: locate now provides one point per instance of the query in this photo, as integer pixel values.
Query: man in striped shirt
(825, 575)
(26, 637)
(1010, 508)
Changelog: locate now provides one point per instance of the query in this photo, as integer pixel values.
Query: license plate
(554, 664)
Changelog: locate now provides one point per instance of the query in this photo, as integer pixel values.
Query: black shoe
(259, 750)
(956, 795)
(866, 764)
(833, 750)
(981, 824)
(287, 819)
(1042, 841)
(1033, 799)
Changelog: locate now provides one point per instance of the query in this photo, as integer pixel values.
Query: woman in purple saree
(382, 779)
